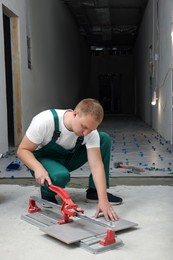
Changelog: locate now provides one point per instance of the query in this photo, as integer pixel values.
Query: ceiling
(108, 24)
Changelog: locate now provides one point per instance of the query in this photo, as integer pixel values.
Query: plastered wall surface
(59, 61)
(58, 57)
(153, 70)
(18, 7)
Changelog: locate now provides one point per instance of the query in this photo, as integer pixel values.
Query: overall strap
(56, 133)
(79, 141)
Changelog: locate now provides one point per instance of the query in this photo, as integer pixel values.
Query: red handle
(69, 208)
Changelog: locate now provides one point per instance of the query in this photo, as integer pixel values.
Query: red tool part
(124, 166)
(69, 208)
(109, 238)
(33, 206)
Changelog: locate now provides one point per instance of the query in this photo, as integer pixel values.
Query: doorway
(12, 73)
(110, 92)
(9, 81)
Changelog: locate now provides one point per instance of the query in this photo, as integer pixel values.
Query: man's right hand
(42, 176)
(25, 153)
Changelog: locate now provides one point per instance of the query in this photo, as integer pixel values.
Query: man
(60, 141)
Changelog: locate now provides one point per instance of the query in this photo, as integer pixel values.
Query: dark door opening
(110, 92)
(9, 80)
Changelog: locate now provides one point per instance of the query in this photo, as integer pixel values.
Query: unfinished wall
(143, 68)
(153, 72)
(16, 9)
(163, 120)
(59, 61)
(59, 57)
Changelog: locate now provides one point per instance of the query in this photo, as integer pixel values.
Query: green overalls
(59, 162)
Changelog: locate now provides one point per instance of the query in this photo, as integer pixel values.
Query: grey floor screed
(149, 206)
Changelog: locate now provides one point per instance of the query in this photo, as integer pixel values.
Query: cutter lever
(69, 208)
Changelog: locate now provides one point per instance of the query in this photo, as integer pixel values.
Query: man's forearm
(29, 159)
(100, 182)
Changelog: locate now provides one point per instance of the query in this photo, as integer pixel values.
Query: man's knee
(58, 173)
(60, 178)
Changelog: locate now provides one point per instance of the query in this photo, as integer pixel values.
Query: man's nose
(86, 132)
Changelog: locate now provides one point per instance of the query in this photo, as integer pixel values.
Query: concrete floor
(150, 207)
(147, 202)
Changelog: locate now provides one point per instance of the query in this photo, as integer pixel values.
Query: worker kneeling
(58, 142)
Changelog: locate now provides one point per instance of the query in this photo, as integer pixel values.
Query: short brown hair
(91, 106)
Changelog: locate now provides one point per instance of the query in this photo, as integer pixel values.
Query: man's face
(83, 124)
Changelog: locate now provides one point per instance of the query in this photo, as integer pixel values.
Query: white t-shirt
(42, 128)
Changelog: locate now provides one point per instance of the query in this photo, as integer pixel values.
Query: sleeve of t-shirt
(92, 140)
(37, 129)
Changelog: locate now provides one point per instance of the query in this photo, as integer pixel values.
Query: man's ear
(75, 113)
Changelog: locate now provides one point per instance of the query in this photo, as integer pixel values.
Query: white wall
(155, 30)
(60, 60)
(163, 121)
(18, 8)
(142, 66)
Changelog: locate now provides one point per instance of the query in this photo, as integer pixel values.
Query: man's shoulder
(94, 134)
(48, 113)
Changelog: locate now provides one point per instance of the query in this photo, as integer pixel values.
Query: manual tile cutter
(69, 210)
